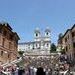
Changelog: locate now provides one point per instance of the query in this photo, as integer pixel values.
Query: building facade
(68, 42)
(40, 46)
(8, 43)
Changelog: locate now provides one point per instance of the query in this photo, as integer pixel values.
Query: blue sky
(25, 15)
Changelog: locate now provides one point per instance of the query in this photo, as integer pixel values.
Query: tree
(60, 38)
(53, 48)
(21, 53)
(60, 35)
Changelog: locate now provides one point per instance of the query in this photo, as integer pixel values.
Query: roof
(47, 29)
(73, 26)
(23, 43)
(68, 30)
(2, 24)
(28, 42)
(7, 26)
(16, 35)
(37, 30)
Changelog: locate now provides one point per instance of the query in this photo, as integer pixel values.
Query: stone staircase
(13, 62)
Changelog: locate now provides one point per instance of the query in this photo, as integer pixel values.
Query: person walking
(21, 71)
(40, 71)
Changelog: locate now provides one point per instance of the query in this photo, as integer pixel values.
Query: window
(47, 33)
(8, 55)
(3, 42)
(69, 46)
(36, 34)
(65, 39)
(74, 44)
(4, 33)
(66, 48)
(73, 34)
(16, 41)
(47, 44)
(10, 37)
(33, 46)
(0, 30)
(68, 36)
(19, 49)
(28, 46)
(24, 49)
(1, 53)
(36, 45)
(10, 44)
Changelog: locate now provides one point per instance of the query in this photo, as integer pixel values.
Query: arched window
(3, 42)
(36, 34)
(47, 33)
(1, 53)
(47, 45)
(36, 45)
(8, 55)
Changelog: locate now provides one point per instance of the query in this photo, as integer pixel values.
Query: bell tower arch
(37, 34)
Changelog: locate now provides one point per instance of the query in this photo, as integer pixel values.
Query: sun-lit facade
(8, 43)
(40, 46)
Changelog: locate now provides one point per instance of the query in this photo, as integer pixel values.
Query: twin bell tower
(38, 36)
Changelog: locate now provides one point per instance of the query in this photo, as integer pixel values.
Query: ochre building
(8, 44)
(67, 42)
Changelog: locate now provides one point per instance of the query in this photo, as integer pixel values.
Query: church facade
(40, 46)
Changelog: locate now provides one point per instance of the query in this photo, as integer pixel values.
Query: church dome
(47, 29)
(37, 30)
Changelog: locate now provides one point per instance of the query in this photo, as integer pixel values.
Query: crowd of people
(25, 71)
(34, 66)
